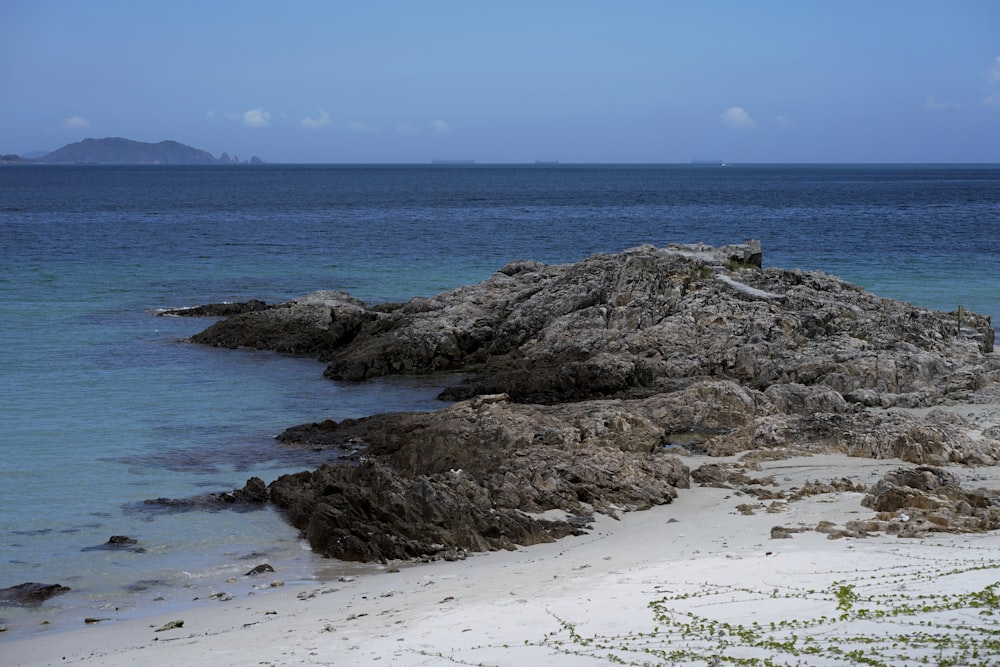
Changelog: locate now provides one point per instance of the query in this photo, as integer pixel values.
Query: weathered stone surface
(937, 438)
(251, 497)
(638, 323)
(312, 325)
(30, 593)
(217, 309)
(912, 501)
(474, 475)
(588, 379)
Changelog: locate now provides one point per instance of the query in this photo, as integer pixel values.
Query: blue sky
(615, 81)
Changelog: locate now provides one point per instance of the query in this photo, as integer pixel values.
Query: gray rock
(30, 593)
(589, 379)
(637, 323)
(913, 501)
(472, 476)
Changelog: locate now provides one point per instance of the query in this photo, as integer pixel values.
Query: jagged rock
(637, 323)
(937, 438)
(30, 593)
(912, 501)
(172, 625)
(311, 325)
(252, 496)
(470, 476)
(254, 492)
(217, 309)
(722, 476)
(588, 379)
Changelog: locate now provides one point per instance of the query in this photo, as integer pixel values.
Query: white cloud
(75, 123)
(933, 104)
(407, 130)
(440, 127)
(737, 118)
(322, 120)
(992, 98)
(256, 117)
(363, 128)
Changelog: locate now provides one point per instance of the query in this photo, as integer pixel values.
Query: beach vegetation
(902, 616)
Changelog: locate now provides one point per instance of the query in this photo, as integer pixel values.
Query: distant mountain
(115, 150)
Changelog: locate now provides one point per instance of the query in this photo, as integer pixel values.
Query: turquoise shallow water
(103, 405)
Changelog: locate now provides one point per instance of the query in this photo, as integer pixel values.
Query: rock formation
(588, 382)
(912, 501)
(641, 322)
(30, 593)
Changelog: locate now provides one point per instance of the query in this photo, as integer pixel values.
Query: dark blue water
(102, 406)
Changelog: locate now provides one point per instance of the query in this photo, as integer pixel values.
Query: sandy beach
(698, 581)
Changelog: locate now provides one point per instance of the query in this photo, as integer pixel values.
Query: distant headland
(115, 150)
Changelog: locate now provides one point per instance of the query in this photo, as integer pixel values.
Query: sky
(512, 81)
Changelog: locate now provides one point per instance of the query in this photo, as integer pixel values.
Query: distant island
(115, 150)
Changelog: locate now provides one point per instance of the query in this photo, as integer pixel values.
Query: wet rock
(312, 325)
(254, 492)
(217, 309)
(118, 543)
(30, 593)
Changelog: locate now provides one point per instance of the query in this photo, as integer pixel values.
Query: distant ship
(438, 160)
(712, 162)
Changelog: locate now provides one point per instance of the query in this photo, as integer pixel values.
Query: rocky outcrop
(589, 382)
(914, 501)
(483, 474)
(251, 497)
(637, 323)
(313, 325)
(937, 438)
(216, 309)
(30, 593)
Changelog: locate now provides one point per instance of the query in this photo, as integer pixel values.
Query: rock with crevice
(913, 501)
(588, 383)
(474, 475)
(637, 323)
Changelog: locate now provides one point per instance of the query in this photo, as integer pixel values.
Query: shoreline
(555, 602)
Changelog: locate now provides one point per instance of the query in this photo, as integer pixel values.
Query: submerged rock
(118, 543)
(30, 593)
(251, 497)
(217, 309)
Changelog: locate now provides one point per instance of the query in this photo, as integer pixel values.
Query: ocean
(103, 404)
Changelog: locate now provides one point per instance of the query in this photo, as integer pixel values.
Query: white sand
(502, 608)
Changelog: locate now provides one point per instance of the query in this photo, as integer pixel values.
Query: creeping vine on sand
(890, 619)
